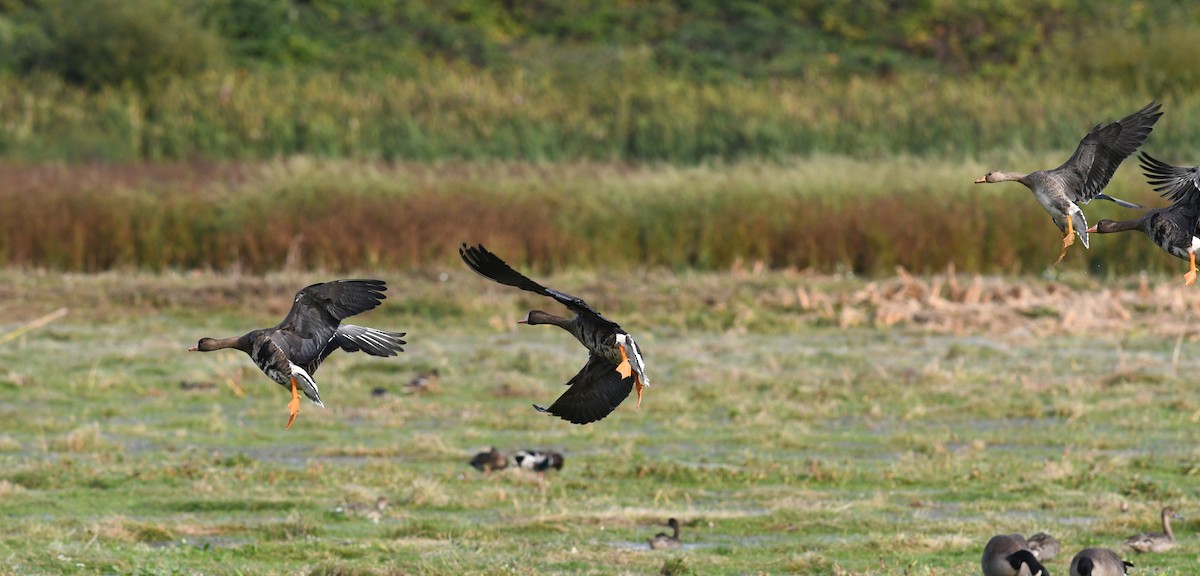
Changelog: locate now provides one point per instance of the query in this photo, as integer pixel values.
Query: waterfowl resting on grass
(664, 540)
(1155, 541)
(1175, 228)
(1009, 555)
(538, 460)
(1099, 562)
(493, 459)
(614, 365)
(1082, 177)
(1043, 545)
(291, 352)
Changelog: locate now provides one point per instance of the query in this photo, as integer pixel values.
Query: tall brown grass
(825, 213)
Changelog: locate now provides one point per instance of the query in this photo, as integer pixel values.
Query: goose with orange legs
(614, 367)
(291, 352)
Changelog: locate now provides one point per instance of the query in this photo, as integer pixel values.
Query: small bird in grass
(538, 460)
(1082, 177)
(493, 459)
(291, 352)
(1175, 228)
(1155, 541)
(423, 382)
(1043, 545)
(614, 365)
(664, 540)
(1009, 555)
(1099, 562)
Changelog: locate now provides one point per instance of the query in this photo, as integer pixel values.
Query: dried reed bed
(820, 213)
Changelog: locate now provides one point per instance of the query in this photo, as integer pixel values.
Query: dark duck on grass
(1174, 228)
(291, 352)
(614, 365)
(664, 540)
(493, 459)
(1082, 177)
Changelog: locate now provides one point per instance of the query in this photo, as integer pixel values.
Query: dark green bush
(112, 42)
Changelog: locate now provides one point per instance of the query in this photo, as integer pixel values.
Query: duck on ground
(663, 540)
(614, 366)
(291, 352)
(1009, 555)
(1043, 545)
(1085, 174)
(538, 460)
(493, 459)
(1099, 562)
(1155, 541)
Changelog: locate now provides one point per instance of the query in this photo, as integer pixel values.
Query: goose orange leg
(1190, 277)
(626, 370)
(1068, 240)
(293, 406)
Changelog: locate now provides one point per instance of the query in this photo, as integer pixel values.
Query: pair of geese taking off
(291, 352)
(1084, 175)
(1088, 171)
(614, 366)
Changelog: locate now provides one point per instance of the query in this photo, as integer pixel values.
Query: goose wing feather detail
(594, 393)
(1103, 149)
(1181, 184)
(493, 268)
(318, 310)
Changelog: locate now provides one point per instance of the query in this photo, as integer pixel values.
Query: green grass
(794, 426)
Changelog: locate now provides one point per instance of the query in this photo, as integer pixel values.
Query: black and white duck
(1085, 174)
(291, 352)
(1175, 228)
(614, 366)
(538, 460)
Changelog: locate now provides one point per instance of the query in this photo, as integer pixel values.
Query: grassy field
(797, 424)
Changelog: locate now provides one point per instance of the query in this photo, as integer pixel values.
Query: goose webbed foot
(1067, 240)
(624, 368)
(1190, 277)
(293, 406)
(637, 385)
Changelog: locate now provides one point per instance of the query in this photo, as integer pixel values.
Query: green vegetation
(785, 443)
(640, 81)
(822, 213)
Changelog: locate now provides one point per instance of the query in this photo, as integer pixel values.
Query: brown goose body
(1043, 545)
(1083, 177)
(291, 352)
(614, 367)
(1099, 562)
(1009, 555)
(493, 459)
(663, 540)
(1155, 541)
